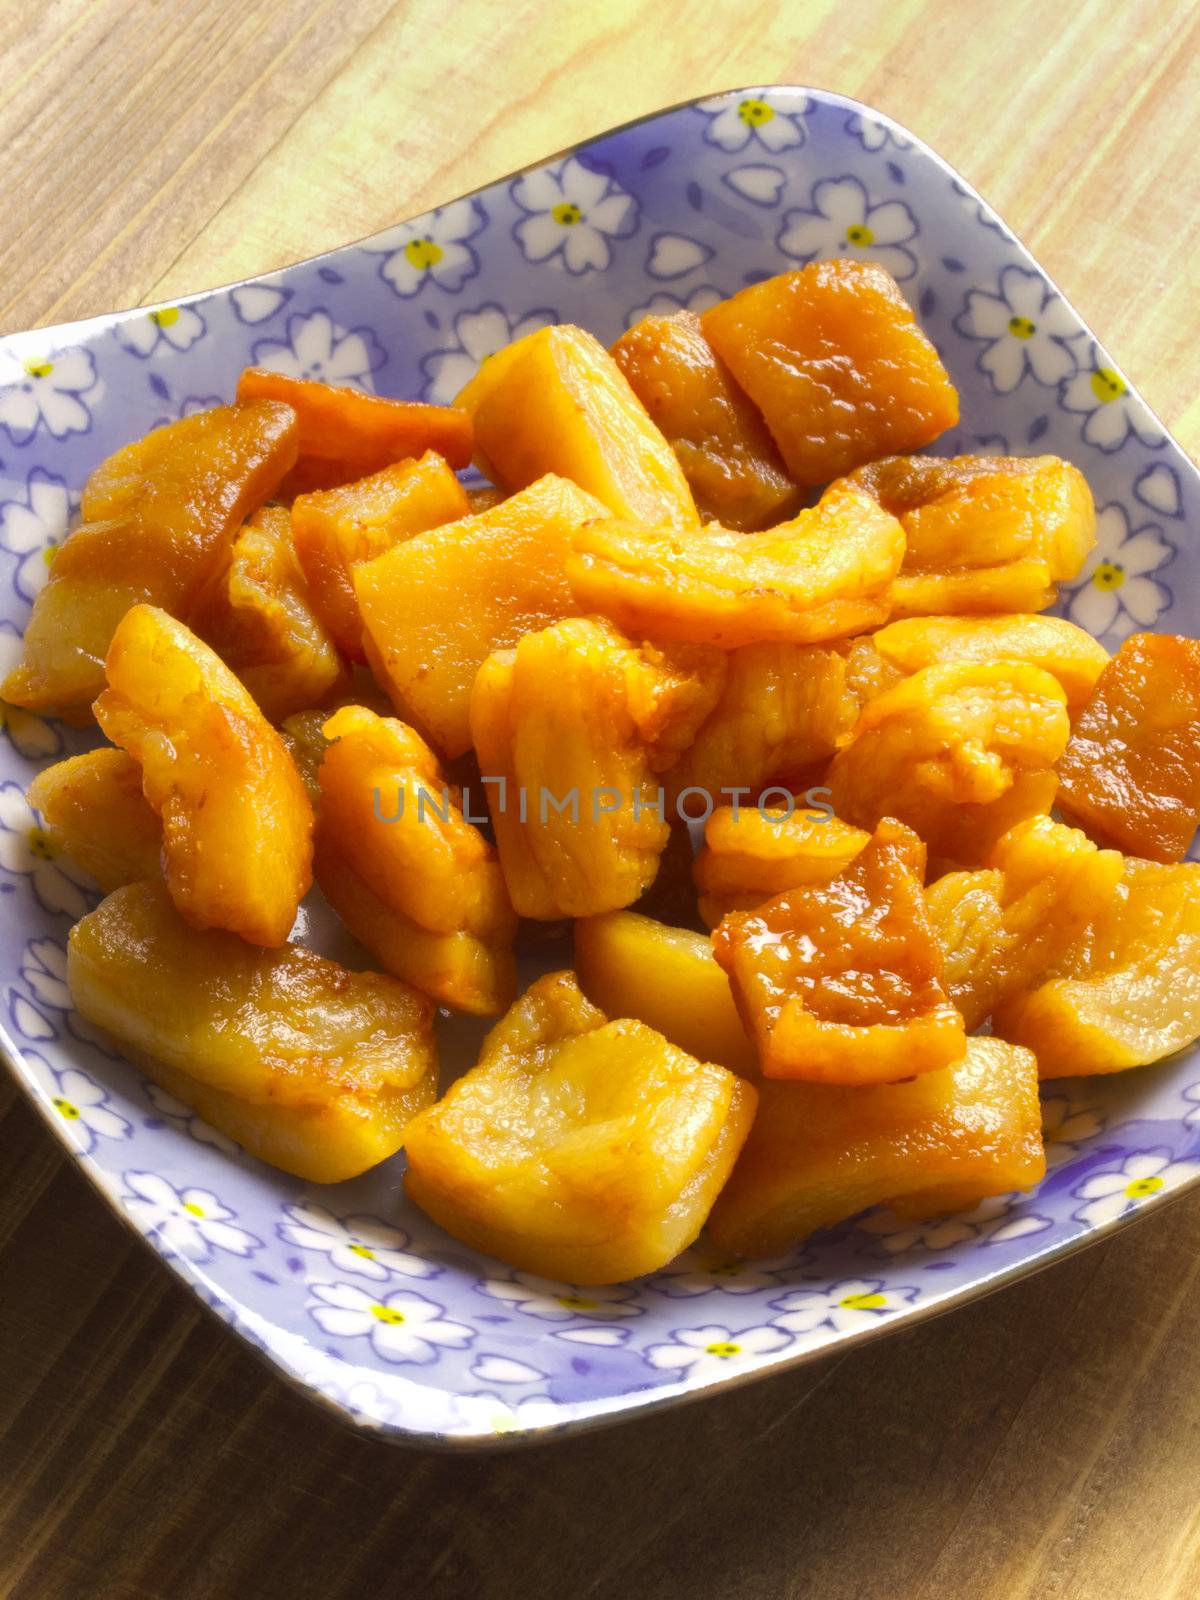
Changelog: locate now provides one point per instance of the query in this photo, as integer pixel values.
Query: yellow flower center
(1107, 385)
(166, 316)
(859, 234)
(423, 253)
(1141, 1187)
(1108, 575)
(729, 1269)
(49, 553)
(65, 1108)
(40, 844)
(723, 1348)
(1021, 327)
(576, 1302)
(755, 112)
(387, 1314)
(362, 1250)
(568, 213)
(39, 369)
(863, 1302)
(193, 1209)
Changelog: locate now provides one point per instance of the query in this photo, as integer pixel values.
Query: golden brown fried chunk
(751, 854)
(94, 810)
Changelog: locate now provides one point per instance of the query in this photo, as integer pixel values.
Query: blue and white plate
(349, 1291)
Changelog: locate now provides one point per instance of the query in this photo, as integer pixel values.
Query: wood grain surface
(1040, 1445)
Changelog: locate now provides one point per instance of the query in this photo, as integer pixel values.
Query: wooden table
(1044, 1443)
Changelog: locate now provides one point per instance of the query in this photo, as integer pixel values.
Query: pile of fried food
(308, 643)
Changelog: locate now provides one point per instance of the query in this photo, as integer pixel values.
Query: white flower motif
(44, 969)
(33, 527)
(26, 848)
(1100, 394)
(30, 736)
(178, 1112)
(1026, 327)
(36, 393)
(314, 346)
(735, 120)
(989, 1222)
(1192, 1095)
(690, 1274)
(844, 1307)
(666, 305)
(542, 1297)
(711, 1351)
(606, 1337)
(359, 1244)
(842, 221)
(402, 1327)
(1065, 1129)
(873, 134)
(173, 327)
(81, 1103)
(478, 335)
(362, 1399)
(1114, 594)
(533, 1412)
(572, 212)
(190, 407)
(1111, 1194)
(433, 249)
(189, 1222)
(503, 1369)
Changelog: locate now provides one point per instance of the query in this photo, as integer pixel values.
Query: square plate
(349, 1291)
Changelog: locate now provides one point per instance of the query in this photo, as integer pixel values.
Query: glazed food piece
(408, 875)
(1052, 643)
(157, 519)
(346, 434)
(435, 607)
(336, 529)
(961, 753)
(237, 823)
(984, 533)
(833, 358)
(783, 708)
(556, 401)
(308, 1066)
(632, 966)
(571, 729)
(94, 811)
(1131, 773)
(730, 461)
(752, 854)
(842, 982)
(824, 575)
(867, 673)
(818, 1154)
(578, 1148)
(1129, 993)
(1006, 926)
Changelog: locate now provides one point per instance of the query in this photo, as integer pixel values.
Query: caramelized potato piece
(435, 607)
(960, 752)
(821, 576)
(833, 358)
(1131, 772)
(818, 1153)
(570, 727)
(1005, 926)
(729, 459)
(556, 401)
(94, 810)
(1129, 993)
(867, 673)
(632, 966)
(841, 982)
(346, 434)
(578, 1148)
(308, 1066)
(1052, 643)
(751, 854)
(336, 529)
(408, 875)
(157, 519)
(237, 823)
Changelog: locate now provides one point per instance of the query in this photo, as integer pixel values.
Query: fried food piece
(632, 966)
(728, 457)
(556, 401)
(157, 519)
(237, 823)
(94, 810)
(822, 576)
(1052, 643)
(571, 729)
(1129, 993)
(336, 529)
(833, 358)
(867, 673)
(435, 607)
(578, 1148)
(308, 1066)
(408, 875)
(819, 1153)
(960, 752)
(751, 854)
(841, 982)
(1131, 772)
(346, 434)
(1004, 927)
